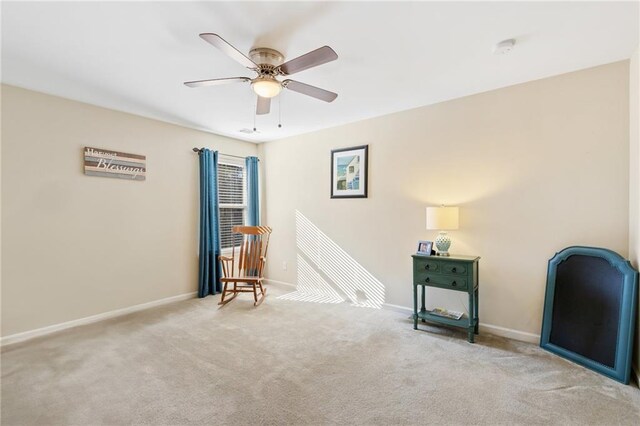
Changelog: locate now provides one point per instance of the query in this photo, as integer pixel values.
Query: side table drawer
(428, 265)
(453, 268)
(442, 281)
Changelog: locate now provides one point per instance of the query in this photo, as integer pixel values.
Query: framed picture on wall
(349, 172)
(424, 248)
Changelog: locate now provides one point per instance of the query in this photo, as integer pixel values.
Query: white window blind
(233, 198)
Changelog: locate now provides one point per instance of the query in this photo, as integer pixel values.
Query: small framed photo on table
(424, 248)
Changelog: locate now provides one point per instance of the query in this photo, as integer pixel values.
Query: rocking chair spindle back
(245, 271)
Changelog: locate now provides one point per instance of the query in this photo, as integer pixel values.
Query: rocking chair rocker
(246, 271)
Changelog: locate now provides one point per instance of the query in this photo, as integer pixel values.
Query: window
(233, 198)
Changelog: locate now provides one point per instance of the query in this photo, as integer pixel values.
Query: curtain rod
(226, 155)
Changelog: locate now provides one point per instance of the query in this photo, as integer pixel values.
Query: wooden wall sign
(102, 162)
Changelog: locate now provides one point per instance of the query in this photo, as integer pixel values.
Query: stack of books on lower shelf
(441, 312)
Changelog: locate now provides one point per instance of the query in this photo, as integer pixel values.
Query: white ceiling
(134, 56)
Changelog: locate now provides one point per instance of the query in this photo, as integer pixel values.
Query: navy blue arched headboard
(589, 309)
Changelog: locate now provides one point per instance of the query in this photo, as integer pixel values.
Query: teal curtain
(253, 195)
(209, 265)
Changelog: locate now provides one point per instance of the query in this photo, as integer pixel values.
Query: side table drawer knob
(427, 280)
(454, 283)
(453, 270)
(427, 267)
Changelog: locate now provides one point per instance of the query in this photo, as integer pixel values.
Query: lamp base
(443, 242)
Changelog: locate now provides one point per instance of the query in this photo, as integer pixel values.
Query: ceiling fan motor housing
(266, 56)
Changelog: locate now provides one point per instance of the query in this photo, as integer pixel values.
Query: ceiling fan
(268, 64)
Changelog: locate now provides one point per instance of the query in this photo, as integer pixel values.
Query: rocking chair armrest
(225, 259)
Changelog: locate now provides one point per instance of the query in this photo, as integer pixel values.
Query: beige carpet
(299, 363)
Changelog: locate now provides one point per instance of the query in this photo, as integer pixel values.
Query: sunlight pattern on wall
(330, 272)
(311, 287)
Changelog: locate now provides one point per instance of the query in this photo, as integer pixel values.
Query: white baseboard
(268, 281)
(509, 333)
(397, 308)
(38, 332)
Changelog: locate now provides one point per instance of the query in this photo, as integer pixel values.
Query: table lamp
(442, 219)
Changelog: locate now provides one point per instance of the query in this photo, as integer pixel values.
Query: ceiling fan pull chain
(255, 114)
(280, 112)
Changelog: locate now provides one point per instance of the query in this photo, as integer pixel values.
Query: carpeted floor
(296, 363)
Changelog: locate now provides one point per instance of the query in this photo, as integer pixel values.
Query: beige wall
(534, 168)
(634, 182)
(75, 245)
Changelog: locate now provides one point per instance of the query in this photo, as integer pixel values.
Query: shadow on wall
(327, 274)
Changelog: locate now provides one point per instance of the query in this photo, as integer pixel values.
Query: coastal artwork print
(349, 172)
(114, 164)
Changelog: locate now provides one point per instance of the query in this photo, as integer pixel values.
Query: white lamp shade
(442, 218)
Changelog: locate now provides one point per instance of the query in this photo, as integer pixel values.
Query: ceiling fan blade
(314, 92)
(308, 60)
(216, 81)
(264, 106)
(224, 46)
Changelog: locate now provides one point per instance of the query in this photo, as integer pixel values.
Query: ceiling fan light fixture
(266, 87)
(268, 64)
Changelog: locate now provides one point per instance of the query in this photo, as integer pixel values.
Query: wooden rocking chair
(245, 271)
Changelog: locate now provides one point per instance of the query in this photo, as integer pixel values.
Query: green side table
(457, 273)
